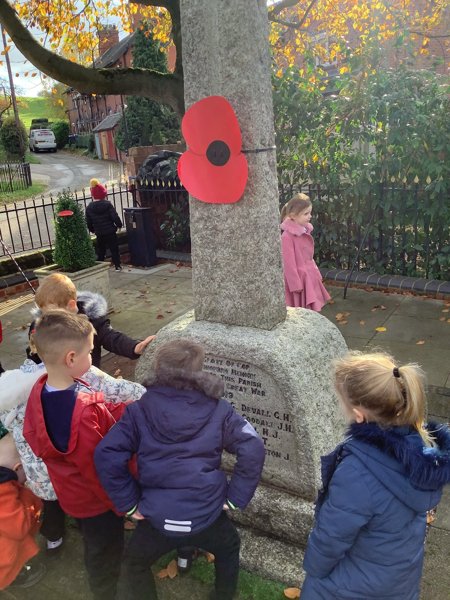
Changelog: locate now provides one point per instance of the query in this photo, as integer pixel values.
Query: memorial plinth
(280, 380)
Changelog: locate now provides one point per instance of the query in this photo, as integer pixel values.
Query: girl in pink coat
(302, 278)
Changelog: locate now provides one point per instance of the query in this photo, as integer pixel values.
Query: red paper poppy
(213, 169)
(65, 213)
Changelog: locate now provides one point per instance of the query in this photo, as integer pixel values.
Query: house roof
(108, 122)
(111, 56)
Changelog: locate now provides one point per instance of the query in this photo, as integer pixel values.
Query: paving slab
(433, 359)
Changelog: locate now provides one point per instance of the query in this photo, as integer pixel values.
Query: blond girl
(378, 485)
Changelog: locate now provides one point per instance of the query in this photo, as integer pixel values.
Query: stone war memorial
(275, 362)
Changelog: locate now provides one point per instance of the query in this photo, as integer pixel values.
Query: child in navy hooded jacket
(178, 431)
(368, 540)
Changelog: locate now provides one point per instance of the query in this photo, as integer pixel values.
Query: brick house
(86, 111)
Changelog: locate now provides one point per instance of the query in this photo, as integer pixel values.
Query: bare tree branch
(277, 8)
(429, 35)
(287, 4)
(164, 88)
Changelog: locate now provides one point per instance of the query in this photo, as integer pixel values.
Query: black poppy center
(218, 153)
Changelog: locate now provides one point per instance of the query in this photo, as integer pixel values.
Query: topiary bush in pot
(74, 249)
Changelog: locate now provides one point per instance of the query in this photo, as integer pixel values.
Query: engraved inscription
(256, 396)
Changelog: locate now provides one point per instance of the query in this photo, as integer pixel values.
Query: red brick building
(86, 111)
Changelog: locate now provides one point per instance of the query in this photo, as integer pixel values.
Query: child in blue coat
(368, 539)
(178, 431)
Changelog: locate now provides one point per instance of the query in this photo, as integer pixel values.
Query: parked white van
(42, 139)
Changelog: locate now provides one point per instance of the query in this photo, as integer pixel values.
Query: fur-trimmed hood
(397, 456)
(91, 304)
(294, 228)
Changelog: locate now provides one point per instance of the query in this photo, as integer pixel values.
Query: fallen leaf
(362, 322)
(431, 516)
(172, 569)
(448, 320)
(442, 319)
(343, 322)
(117, 373)
(169, 311)
(446, 310)
(292, 593)
(160, 316)
(162, 574)
(420, 343)
(380, 328)
(210, 557)
(331, 302)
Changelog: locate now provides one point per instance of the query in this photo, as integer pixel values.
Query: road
(29, 224)
(62, 170)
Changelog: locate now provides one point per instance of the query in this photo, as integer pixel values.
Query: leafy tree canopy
(297, 25)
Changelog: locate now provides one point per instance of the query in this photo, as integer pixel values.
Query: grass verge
(35, 190)
(250, 586)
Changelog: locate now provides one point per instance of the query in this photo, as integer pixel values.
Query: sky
(25, 86)
(28, 86)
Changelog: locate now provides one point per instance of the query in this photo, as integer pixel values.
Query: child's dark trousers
(53, 521)
(148, 544)
(108, 241)
(103, 539)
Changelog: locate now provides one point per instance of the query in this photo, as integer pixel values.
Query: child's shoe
(54, 548)
(29, 575)
(185, 558)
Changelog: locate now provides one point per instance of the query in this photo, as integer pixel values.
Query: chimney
(108, 37)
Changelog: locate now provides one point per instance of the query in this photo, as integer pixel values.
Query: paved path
(146, 300)
(63, 170)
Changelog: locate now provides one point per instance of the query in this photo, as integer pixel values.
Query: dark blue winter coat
(368, 540)
(178, 437)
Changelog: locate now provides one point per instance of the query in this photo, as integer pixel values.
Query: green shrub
(13, 138)
(84, 140)
(176, 227)
(61, 131)
(74, 250)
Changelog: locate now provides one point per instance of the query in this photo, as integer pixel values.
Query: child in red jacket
(19, 521)
(64, 422)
